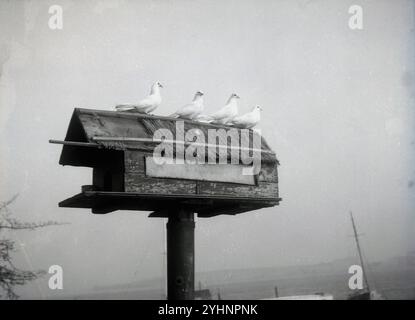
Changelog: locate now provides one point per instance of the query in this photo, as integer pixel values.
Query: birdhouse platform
(126, 174)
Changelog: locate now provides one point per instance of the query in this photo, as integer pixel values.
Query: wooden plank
(263, 190)
(104, 202)
(135, 166)
(231, 173)
(124, 195)
(137, 182)
(135, 162)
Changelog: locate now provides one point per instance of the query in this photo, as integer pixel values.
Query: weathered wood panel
(137, 182)
(135, 161)
(268, 172)
(88, 124)
(232, 173)
(263, 190)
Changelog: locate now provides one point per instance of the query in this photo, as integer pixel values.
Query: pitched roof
(130, 130)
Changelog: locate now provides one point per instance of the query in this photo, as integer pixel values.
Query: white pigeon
(202, 118)
(228, 112)
(148, 104)
(248, 120)
(192, 110)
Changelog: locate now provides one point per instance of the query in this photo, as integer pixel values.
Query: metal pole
(180, 255)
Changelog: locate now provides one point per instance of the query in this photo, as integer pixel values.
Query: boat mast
(164, 285)
(356, 236)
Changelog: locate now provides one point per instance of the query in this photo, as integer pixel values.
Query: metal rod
(186, 143)
(75, 143)
(180, 255)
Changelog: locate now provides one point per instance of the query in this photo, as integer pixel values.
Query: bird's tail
(124, 107)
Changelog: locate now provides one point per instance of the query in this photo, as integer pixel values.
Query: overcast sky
(338, 111)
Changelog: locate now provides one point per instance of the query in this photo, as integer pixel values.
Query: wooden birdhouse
(152, 163)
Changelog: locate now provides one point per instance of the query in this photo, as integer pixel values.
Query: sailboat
(365, 293)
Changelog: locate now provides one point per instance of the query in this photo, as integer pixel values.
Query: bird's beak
(160, 85)
(236, 96)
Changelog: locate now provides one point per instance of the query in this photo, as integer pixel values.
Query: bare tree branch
(10, 275)
(6, 203)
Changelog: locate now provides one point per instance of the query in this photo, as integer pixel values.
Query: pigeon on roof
(248, 120)
(148, 104)
(228, 112)
(191, 110)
